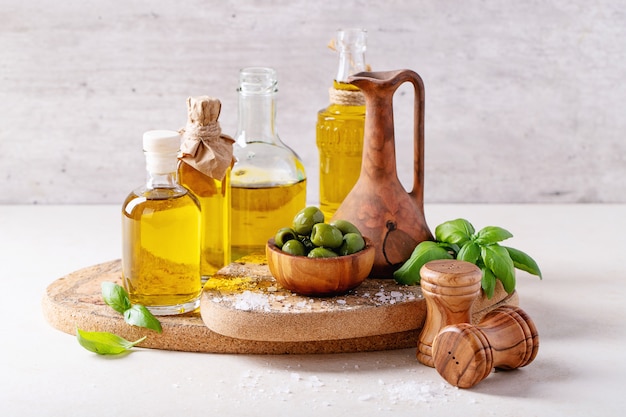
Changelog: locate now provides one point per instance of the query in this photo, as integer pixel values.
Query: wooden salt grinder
(506, 338)
(449, 287)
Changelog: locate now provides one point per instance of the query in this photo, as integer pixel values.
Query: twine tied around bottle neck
(346, 97)
(204, 147)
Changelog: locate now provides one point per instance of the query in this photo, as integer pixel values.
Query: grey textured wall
(524, 99)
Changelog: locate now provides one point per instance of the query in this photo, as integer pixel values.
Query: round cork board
(75, 301)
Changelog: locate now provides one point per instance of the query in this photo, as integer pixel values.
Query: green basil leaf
(450, 247)
(491, 234)
(409, 272)
(469, 252)
(456, 231)
(115, 296)
(497, 259)
(523, 262)
(104, 343)
(488, 282)
(139, 315)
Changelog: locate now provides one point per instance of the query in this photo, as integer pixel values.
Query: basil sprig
(137, 315)
(105, 343)
(457, 239)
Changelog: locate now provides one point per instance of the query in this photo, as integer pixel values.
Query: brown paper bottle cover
(204, 147)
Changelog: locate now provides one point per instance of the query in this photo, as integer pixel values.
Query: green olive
(321, 253)
(345, 226)
(305, 219)
(283, 235)
(323, 234)
(306, 241)
(352, 243)
(294, 247)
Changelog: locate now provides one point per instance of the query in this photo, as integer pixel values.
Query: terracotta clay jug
(378, 204)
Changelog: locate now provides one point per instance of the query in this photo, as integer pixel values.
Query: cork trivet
(76, 301)
(247, 303)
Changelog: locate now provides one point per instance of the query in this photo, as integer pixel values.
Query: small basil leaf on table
(104, 343)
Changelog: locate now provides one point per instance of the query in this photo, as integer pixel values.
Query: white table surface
(579, 309)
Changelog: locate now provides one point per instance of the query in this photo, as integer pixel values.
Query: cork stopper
(204, 147)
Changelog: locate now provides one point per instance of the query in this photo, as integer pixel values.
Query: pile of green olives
(310, 236)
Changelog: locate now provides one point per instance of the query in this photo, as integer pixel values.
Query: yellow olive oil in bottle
(161, 234)
(206, 159)
(340, 126)
(268, 180)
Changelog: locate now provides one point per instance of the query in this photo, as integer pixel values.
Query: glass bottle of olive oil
(206, 159)
(213, 196)
(161, 234)
(268, 180)
(340, 126)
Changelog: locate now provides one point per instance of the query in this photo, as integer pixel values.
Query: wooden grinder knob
(506, 338)
(449, 287)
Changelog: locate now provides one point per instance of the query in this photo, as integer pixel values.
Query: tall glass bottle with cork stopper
(268, 180)
(340, 126)
(206, 157)
(161, 234)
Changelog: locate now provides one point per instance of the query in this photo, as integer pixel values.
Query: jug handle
(417, 193)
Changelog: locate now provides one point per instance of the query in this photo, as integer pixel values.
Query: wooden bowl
(320, 276)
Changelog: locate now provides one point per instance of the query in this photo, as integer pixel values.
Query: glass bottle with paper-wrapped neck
(268, 181)
(161, 234)
(206, 157)
(340, 126)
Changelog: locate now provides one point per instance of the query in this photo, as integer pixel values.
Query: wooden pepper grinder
(449, 287)
(465, 354)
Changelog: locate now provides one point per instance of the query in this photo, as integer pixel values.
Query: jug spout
(378, 204)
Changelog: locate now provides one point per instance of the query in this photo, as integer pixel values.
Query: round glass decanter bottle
(268, 180)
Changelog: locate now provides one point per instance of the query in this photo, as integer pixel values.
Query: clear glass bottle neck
(257, 118)
(351, 45)
(161, 180)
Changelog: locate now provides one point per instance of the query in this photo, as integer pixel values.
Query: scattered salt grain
(419, 392)
(249, 301)
(315, 382)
